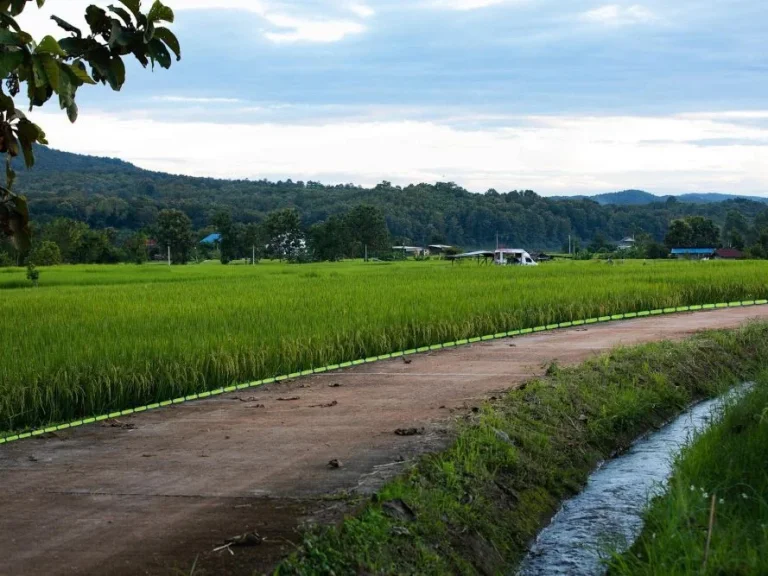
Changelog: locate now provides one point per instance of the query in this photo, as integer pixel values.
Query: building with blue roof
(693, 253)
(211, 239)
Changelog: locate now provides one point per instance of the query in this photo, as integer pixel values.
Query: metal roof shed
(693, 253)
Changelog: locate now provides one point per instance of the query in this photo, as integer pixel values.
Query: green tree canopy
(46, 253)
(679, 235)
(736, 229)
(693, 232)
(60, 67)
(283, 233)
(367, 227)
(174, 230)
(135, 247)
(761, 222)
(330, 240)
(706, 233)
(222, 221)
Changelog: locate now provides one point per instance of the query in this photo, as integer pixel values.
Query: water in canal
(607, 515)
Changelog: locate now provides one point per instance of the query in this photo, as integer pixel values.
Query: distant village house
(627, 243)
(693, 253)
(707, 253)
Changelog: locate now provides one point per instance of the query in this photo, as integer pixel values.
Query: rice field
(91, 340)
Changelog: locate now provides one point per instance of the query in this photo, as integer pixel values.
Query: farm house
(729, 254)
(693, 253)
(411, 250)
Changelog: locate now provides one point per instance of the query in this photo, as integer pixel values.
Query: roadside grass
(727, 463)
(99, 339)
(474, 508)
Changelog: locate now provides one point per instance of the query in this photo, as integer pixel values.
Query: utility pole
(569, 245)
(366, 252)
(253, 260)
(169, 255)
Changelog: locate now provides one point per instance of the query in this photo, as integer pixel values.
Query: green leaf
(51, 67)
(119, 36)
(98, 20)
(78, 69)
(39, 95)
(9, 140)
(67, 87)
(10, 173)
(149, 32)
(99, 59)
(7, 20)
(160, 13)
(20, 206)
(140, 54)
(133, 5)
(122, 13)
(16, 114)
(159, 53)
(17, 7)
(19, 224)
(8, 38)
(72, 112)
(49, 45)
(170, 39)
(75, 47)
(29, 134)
(67, 26)
(116, 73)
(9, 61)
(40, 77)
(6, 103)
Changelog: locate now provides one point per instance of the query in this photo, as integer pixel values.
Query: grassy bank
(728, 464)
(474, 508)
(93, 340)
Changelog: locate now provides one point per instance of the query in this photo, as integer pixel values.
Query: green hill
(107, 192)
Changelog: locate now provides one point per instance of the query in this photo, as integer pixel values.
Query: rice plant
(91, 340)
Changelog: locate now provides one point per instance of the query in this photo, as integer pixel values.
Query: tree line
(282, 235)
(689, 232)
(108, 193)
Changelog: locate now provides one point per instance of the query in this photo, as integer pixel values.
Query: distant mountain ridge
(50, 160)
(640, 198)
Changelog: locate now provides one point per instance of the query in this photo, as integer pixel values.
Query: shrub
(46, 254)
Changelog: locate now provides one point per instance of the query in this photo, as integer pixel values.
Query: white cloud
(728, 115)
(550, 154)
(195, 100)
(467, 4)
(293, 29)
(615, 15)
(287, 27)
(362, 10)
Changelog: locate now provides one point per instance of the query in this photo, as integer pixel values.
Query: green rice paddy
(92, 340)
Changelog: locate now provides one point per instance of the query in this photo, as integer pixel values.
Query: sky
(559, 96)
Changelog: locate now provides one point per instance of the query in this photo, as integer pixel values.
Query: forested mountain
(627, 198)
(108, 193)
(640, 197)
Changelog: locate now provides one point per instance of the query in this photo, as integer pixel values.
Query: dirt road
(151, 493)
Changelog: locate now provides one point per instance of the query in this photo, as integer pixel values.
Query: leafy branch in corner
(60, 67)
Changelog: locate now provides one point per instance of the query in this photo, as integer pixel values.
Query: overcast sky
(561, 96)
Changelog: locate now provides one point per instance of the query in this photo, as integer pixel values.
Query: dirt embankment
(153, 492)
